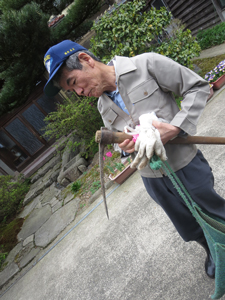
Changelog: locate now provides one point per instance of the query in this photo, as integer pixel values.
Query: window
(221, 3)
(10, 152)
(158, 4)
(24, 136)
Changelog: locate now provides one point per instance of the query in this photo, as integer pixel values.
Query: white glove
(148, 142)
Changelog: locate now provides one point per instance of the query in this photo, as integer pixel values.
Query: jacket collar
(124, 65)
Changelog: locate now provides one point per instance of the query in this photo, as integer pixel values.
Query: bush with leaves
(78, 116)
(77, 22)
(76, 186)
(211, 36)
(11, 195)
(181, 47)
(129, 30)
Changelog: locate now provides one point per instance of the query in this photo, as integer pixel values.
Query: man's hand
(167, 131)
(127, 146)
(153, 135)
(148, 143)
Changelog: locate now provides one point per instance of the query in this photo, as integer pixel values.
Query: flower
(112, 163)
(109, 154)
(216, 73)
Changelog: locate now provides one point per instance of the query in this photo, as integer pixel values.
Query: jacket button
(146, 93)
(110, 121)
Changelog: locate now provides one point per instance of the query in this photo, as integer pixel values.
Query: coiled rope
(213, 227)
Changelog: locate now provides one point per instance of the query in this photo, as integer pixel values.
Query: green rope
(213, 227)
(156, 163)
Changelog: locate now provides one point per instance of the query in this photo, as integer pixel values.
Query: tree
(129, 30)
(48, 6)
(76, 22)
(25, 38)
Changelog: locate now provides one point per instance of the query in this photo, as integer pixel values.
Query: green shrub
(182, 47)
(78, 116)
(129, 31)
(8, 237)
(76, 186)
(212, 36)
(11, 195)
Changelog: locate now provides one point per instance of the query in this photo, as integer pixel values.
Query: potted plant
(216, 77)
(119, 171)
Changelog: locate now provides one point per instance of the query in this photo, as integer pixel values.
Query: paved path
(137, 254)
(211, 52)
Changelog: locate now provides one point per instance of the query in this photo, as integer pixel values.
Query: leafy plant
(11, 195)
(8, 237)
(95, 186)
(78, 116)
(212, 36)
(2, 258)
(119, 166)
(76, 186)
(181, 47)
(112, 165)
(216, 73)
(129, 30)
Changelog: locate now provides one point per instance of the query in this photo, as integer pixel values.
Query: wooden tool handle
(199, 140)
(109, 137)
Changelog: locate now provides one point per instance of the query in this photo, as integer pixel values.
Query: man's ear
(85, 58)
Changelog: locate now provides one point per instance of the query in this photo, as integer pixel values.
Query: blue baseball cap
(54, 59)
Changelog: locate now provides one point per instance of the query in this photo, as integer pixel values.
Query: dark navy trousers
(198, 179)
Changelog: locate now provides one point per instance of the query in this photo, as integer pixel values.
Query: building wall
(4, 169)
(195, 14)
(22, 131)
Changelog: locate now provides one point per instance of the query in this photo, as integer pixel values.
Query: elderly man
(129, 90)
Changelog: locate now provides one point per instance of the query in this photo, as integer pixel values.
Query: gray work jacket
(146, 83)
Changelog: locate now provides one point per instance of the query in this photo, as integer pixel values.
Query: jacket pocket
(109, 116)
(143, 91)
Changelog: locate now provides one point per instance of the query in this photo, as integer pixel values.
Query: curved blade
(101, 165)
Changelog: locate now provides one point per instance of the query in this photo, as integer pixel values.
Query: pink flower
(103, 157)
(109, 154)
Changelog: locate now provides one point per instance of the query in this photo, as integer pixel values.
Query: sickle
(105, 137)
(101, 165)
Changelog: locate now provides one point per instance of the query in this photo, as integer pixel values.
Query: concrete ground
(136, 254)
(211, 52)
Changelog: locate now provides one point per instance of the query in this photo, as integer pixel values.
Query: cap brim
(50, 89)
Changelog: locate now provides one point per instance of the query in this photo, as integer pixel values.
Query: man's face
(85, 82)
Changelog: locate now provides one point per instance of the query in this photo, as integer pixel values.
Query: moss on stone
(8, 237)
